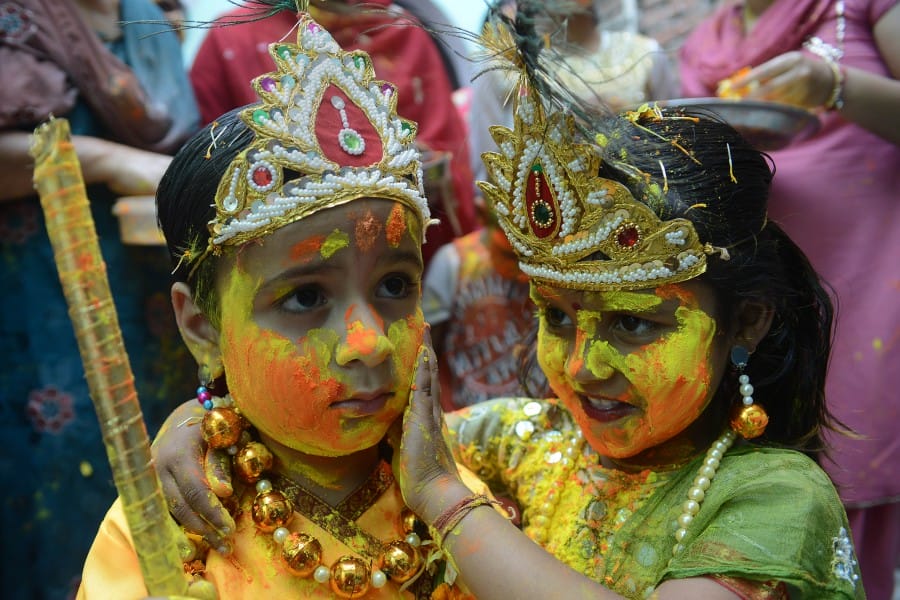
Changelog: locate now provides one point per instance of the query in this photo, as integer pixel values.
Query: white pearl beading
(300, 84)
(597, 274)
(697, 492)
(594, 238)
(746, 390)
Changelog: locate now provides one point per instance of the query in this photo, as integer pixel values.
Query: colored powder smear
(335, 241)
(305, 250)
(368, 229)
(396, 225)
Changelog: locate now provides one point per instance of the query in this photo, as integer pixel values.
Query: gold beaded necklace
(277, 499)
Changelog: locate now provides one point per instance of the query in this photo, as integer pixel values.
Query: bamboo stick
(82, 271)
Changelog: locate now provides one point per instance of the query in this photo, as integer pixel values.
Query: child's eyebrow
(401, 256)
(311, 267)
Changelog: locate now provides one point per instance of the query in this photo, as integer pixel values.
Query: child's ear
(201, 338)
(754, 318)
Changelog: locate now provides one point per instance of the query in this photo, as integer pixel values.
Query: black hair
(692, 165)
(185, 202)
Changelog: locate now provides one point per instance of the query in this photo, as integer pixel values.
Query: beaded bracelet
(450, 518)
(836, 99)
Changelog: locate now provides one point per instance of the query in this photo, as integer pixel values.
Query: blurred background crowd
(836, 193)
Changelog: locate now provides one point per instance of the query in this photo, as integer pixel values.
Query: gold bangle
(836, 99)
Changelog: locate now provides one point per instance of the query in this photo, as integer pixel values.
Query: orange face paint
(368, 228)
(629, 398)
(318, 352)
(396, 225)
(308, 249)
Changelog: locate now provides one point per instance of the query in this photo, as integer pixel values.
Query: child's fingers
(218, 473)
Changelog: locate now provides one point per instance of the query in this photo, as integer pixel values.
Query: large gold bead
(251, 461)
(350, 577)
(222, 427)
(271, 510)
(401, 561)
(749, 421)
(303, 553)
(408, 520)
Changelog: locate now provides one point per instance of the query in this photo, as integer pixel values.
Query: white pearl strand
(746, 390)
(701, 483)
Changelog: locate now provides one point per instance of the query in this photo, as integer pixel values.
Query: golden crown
(571, 227)
(327, 132)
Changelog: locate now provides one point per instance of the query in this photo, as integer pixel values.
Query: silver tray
(766, 125)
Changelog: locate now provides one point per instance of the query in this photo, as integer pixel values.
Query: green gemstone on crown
(542, 214)
(260, 115)
(537, 168)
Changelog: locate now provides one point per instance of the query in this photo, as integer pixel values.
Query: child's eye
(395, 286)
(555, 317)
(304, 298)
(635, 326)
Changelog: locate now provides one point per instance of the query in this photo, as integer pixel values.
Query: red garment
(231, 57)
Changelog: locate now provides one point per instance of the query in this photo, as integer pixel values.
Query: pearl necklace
(701, 483)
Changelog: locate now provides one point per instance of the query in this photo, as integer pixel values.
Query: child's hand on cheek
(424, 464)
(194, 477)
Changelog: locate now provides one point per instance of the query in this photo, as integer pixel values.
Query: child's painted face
(320, 325)
(634, 368)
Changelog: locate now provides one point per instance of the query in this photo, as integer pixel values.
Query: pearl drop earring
(748, 419)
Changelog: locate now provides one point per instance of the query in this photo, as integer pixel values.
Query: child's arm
(193, 477)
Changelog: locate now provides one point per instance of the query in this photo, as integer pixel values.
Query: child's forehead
(362, 220)
(617, 300)
(368, 227)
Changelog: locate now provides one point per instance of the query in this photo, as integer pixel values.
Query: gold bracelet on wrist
(836, 99)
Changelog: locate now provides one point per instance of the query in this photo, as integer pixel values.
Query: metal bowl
(766, 125)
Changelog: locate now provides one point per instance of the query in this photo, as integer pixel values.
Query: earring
(749, 420)
(204, 395)
(222, 424)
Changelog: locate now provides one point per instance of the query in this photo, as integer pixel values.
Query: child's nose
(589, 359)
(364, 340)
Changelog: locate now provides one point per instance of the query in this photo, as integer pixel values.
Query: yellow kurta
(255, 569)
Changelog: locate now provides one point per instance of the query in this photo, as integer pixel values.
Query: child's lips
(605, 410)
(364, 404)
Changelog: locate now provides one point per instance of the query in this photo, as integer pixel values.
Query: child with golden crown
(685, 339)
(295, 226)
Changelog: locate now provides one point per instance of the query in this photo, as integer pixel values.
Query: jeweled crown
(571, 227)
(327, 132)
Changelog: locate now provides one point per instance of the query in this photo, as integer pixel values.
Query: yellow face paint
(631, 390)
(328, 372)
(335, 241)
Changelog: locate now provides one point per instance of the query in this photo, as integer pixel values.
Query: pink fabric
(718, 46)
(838, 196)
(876, 536)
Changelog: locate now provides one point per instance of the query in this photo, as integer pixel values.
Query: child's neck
(331, 478)
(672, 454)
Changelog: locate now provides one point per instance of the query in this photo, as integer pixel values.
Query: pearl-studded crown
(327, 133)
(569, 226)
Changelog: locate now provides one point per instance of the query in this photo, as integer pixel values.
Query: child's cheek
(406, 336)
(552, 354)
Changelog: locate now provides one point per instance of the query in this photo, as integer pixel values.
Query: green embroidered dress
(769, 514)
